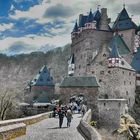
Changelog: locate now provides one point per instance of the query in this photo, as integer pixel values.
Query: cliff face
(18, 70)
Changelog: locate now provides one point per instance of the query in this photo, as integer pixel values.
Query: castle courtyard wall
(110, 111)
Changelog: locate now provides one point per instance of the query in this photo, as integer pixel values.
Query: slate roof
(79, 82)
(125, 65)
(124, 22)
(121, 45)
(89, 18)
(43, 78)
(136, 61)
(71, 60)
(114, 50)
(82, 21)
(75, 29)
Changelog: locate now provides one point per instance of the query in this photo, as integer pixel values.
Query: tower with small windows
(88, 36)
(126, 28)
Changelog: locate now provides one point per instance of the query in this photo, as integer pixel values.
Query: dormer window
(104, 55)
(122, 62)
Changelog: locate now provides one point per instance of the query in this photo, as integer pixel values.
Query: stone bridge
(48, 130)
(42, 127)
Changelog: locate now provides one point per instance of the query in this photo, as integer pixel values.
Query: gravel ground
(48, 130)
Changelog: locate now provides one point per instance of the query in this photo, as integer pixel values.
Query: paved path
(48, 130)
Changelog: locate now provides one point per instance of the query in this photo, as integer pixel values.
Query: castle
(108, 56)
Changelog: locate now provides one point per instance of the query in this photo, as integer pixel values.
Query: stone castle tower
(106, 53)
(104, 65)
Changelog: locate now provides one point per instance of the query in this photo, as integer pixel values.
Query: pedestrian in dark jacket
(61, 117)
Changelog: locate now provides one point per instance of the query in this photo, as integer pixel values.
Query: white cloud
(4, 27)
(37, 12)
(36, 42)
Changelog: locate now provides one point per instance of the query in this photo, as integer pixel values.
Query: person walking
(84, 109)
(61, 117)
(69, 117)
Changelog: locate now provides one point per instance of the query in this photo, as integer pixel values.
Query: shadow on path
(58, 128)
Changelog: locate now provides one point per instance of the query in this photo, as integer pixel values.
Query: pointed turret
(90, 23)
(97, 16)
(75, 30)
(114, 58)
(71, 65)
(123, 21)
(43, 78)
(90, 17)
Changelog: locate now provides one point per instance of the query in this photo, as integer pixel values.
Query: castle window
(102, 72)
(126, 92)
(122, 62)
(110, 61)
(92, 72)
(124, 82)
(109, 72)
(129, 73)
(119, 104)
(100, 80)
(117, 61)
(130, 83)
(123, 72)
(106, 96)
(104, 104)
(104, 55)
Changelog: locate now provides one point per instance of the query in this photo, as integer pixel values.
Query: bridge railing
(86, 130)
(13, 128)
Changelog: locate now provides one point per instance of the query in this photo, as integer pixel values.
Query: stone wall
(110, 111)
(10, 129)
(114, 82)
(88, 132)
(85, 46)
(27, 120)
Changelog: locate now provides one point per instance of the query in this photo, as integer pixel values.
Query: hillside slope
(18, 70)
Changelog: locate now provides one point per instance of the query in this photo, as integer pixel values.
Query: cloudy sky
(38, 25)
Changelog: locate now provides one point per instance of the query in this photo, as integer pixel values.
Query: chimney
(104, 19)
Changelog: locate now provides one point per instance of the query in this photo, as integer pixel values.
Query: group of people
(63, 112)
(67, 111)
